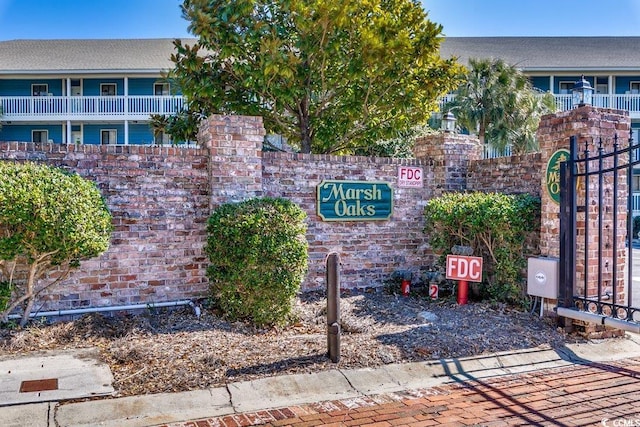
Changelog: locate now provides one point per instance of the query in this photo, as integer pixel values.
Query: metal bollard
(333, 307)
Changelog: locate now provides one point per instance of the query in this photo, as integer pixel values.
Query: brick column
(449, 154)
(590, 125)
(235, 165)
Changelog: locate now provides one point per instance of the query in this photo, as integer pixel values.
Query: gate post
(567, 229)
(559, 229)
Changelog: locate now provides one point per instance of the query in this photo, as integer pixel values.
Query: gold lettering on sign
(358, 209)
(338, 193)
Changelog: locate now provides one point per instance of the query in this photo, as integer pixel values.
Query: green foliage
(399, 147)
(158, 124)
(258, 254)
(328, 75)
(499, 103)
(183, 127)
(6, 289)
(48, 219)
(495, 226)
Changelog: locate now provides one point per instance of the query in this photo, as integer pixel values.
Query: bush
(5, 295)
(495, 226)
(49, 219)
(258, 254)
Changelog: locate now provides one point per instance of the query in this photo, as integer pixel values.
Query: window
(635, 183)
(162, 138)
(566, 88)
(39, 89)
(161, 89)
(635, 87)
(38, 135)
(76, 87)
(107, 89)
(108, 136)
(602, 85)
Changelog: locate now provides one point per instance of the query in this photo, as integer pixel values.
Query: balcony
(39, 108)
(626, 102)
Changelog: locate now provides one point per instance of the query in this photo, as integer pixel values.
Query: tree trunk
(30, 294)
(27, 312)
(304, 127)
(481, 132)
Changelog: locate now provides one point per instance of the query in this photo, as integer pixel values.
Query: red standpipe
(405, 287)
(463, 292)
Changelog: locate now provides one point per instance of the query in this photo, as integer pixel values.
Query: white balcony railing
(77, 107)
(626, 102)
(491, 152)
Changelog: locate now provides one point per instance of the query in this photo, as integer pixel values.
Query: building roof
(549, 53)
(69, 56)
(531, 54)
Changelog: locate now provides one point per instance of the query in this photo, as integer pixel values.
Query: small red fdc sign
(467, 268)
(409, 177)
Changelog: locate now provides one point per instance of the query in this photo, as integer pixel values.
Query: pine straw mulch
(170, 351)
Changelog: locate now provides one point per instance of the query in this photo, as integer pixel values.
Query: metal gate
(597, 275)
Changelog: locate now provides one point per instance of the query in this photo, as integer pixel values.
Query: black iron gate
(596, 234)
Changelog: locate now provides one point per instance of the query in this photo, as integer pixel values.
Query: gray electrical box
(542, 277)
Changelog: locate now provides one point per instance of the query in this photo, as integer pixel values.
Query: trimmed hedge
(496, 226)
(49, 219)
(258, 254)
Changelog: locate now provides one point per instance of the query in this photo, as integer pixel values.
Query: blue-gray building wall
(23, 132)
(142, 86)
(623, 83)
(90, 87)
(139, 133)
(23, 87)
(541, 83)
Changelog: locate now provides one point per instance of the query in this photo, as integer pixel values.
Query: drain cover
(39, 385)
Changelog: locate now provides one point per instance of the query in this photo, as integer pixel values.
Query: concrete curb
(283, 391)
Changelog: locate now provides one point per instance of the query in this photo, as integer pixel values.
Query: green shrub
(495, 226)
(49, 219)
(258, 254)
(5, 294)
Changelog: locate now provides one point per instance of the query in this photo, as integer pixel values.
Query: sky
(68, 19)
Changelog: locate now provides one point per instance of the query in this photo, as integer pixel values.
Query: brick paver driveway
(594, 394)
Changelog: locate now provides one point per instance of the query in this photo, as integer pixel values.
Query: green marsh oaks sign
(354, 201)
(552, 174)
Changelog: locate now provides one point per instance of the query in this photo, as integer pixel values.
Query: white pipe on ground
(110, 308)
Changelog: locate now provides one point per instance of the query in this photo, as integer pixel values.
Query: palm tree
(158, 124)
(498, 102)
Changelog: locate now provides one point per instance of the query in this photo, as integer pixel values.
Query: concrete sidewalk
(291, 390)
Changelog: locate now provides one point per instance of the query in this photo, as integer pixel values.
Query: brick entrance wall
(160, 199)
(369, 250)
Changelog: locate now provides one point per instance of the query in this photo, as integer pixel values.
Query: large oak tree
(331, 76)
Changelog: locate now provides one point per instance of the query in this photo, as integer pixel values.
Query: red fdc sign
(468, 268)
(409, 177)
